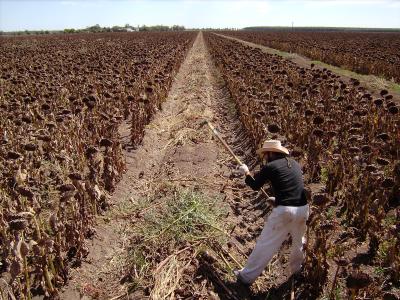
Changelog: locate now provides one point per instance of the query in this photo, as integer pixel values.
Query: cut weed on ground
(168, 239)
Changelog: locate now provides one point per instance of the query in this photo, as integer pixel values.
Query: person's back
(286, 179)
(287, 182)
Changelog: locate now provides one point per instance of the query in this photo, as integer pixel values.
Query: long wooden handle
(216, 133)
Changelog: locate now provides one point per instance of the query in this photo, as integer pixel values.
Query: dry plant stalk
(346, 138)
(61, 153)
(167, 279)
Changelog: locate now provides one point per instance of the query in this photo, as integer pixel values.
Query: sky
(61, 14)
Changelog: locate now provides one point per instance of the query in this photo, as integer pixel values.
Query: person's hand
(271, 201)
(244, 170)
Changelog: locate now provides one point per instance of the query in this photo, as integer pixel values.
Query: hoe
(237, 159)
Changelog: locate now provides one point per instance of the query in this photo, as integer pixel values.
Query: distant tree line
(26, 32)
(126, 28)
(216, 29)
(161, 28)
(97, 28)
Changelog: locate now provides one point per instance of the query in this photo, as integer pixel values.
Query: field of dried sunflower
(62, 99)
(348, 140)
(364, 53)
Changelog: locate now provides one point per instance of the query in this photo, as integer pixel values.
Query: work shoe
(298, 276)
(239, 279)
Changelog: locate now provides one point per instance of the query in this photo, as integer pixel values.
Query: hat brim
(279, 150)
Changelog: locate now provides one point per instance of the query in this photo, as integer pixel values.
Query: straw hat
(272, 146)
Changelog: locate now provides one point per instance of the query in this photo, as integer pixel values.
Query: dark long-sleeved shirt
(286, 179)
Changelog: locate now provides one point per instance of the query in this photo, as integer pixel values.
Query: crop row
(361, 52)
(346, 139)
(62, 100)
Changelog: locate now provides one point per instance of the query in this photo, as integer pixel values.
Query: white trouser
(282, 221)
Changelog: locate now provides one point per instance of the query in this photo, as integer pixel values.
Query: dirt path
(373, 83)
(177, 149)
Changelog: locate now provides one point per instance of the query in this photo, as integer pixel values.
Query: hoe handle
(216, 133)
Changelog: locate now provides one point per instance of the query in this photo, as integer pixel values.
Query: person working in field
(289, 215)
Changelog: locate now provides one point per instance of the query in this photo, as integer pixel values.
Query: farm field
(112, 187)
(62, 100)
(361, 52)
(334, 130)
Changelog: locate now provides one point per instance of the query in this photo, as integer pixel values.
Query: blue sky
(60, 14)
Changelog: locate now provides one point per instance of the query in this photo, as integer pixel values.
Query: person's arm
(259, 180)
